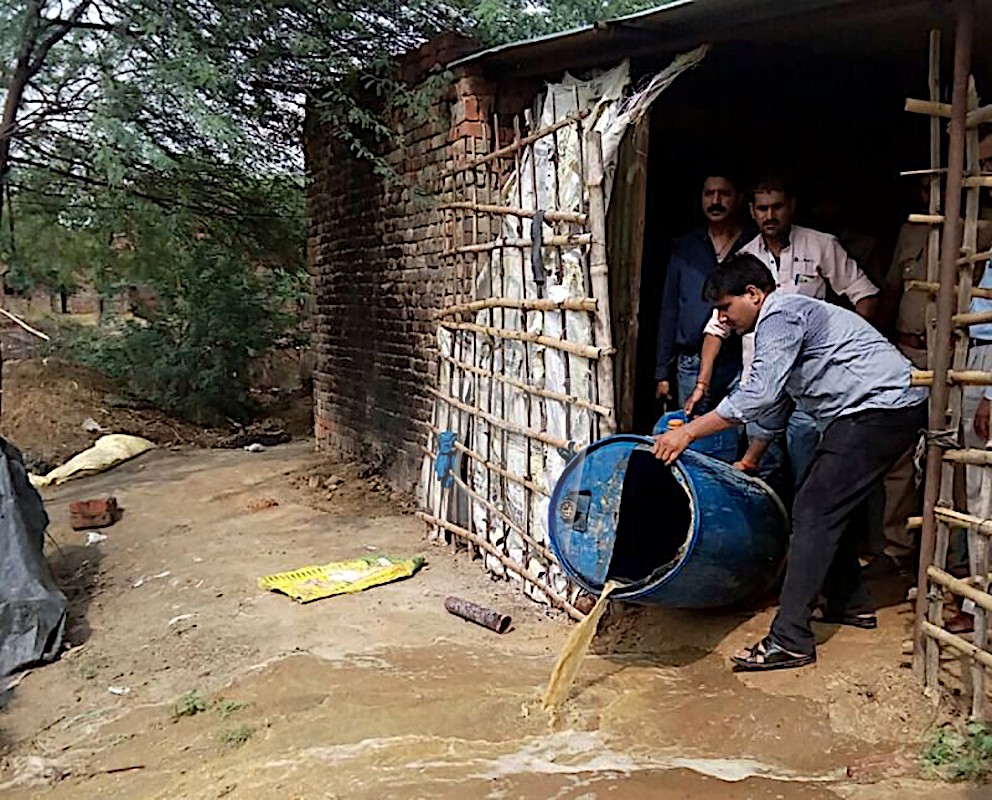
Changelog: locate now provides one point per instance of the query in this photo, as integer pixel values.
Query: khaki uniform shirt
(909, 263)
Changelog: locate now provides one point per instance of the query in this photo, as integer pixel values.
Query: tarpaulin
(32, 609)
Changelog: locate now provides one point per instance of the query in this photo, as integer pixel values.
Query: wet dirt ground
(383, 694)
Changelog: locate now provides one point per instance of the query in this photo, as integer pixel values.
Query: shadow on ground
(76, 569)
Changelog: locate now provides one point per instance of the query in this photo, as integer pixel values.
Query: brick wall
(374, 255)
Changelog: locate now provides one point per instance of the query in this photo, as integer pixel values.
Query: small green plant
(235, 737)
(227, 707)
(189, 705)
(959, 754)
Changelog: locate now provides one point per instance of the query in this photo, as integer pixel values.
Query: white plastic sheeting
(549, 176)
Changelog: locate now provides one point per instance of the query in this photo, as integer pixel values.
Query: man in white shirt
(804, 262)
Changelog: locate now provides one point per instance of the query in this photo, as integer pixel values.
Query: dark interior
(654, 519)
(830, 121)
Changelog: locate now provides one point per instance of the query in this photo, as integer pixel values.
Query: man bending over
(833, 365)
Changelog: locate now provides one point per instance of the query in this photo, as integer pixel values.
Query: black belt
(980, 342)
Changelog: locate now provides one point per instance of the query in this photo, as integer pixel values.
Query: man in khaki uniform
(909, 263)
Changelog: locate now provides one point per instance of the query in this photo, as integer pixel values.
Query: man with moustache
(806, 262)
(684, 311)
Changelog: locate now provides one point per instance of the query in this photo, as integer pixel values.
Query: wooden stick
(571, 240)
(578, 402)
(24, 325)
(972, 456)
(933, 288)
(959, 587)
(531, 304)
(973, 318)
(543, 551)
(928, 107)
(979, 116)
(979, 555)
(501, 152)
(927, 219)
(512, 211)
(977, 181)
(511, 476)
(495, 421)
(958, 519)
(960, 377)
(931, 171)
(974, 259)
(511, 565)
(937, 484)
(600, 278)
(959, 644)
(566, 364)
(584, 350)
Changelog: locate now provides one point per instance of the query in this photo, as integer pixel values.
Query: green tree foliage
(156, 143)
(121, 91)
(209, 293)
(500, 21)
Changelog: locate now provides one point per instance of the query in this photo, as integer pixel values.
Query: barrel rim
(640, 588)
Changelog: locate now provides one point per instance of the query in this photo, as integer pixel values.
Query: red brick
(100, 513)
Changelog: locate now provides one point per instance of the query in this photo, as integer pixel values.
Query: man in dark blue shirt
(684, 312)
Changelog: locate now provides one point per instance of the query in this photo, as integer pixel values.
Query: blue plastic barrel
(721, 445)
(698, 534)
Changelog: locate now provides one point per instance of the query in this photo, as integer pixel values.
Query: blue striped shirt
(983, 330)
(822, 359)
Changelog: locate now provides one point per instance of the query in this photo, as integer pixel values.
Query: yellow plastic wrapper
(340, 577)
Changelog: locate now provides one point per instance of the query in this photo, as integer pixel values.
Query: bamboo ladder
(488, 323)
(950, 280)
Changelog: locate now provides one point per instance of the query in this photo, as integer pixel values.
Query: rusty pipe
(480, 615)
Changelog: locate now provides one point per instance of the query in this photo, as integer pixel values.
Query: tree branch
(85, 26)
(41, 53)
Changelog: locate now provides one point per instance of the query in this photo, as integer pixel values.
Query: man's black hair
(718, 170)
(734, 275)
(774, 183)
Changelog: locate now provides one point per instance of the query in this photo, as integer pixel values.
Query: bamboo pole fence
(952, 256)
(524, 369)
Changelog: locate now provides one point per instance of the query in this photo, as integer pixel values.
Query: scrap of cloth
(340, 577)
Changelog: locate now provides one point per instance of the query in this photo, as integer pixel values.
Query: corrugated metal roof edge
(552, 37)
(795, 8)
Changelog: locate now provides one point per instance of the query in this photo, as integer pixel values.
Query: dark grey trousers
(853, 456)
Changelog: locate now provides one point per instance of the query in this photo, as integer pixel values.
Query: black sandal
(766, 655)
(867, 622)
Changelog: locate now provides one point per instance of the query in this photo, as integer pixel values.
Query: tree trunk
(15, 95)
(31, 54)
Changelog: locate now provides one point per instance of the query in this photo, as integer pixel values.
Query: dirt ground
(383, 694)
(46, 402)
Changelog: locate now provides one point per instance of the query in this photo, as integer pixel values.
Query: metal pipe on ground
(480, 615)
